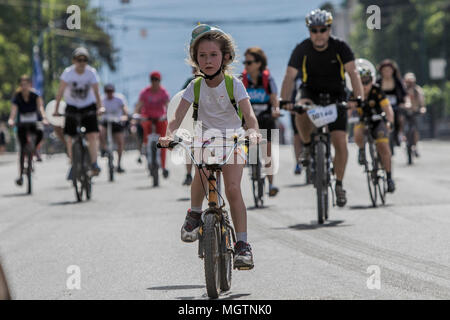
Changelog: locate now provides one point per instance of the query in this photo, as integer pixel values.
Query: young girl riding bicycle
(211, 52)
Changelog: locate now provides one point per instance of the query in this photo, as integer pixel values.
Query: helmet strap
(204, 75)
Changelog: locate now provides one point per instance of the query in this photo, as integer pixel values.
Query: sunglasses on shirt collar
(316, 30)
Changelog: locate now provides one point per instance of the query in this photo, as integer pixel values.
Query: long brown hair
(388, 62)
(259, 56)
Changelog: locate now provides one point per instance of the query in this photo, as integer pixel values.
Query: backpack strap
(265, 80)
(245, 78)
(197, 85)
(230, 91)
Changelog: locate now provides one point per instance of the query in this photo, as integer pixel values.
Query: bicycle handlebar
(299, 108)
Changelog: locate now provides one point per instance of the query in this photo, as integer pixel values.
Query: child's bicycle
(215, 232)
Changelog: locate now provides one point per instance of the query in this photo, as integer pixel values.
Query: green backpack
(228, 85)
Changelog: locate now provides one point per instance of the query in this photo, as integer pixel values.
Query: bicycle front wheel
(211, 247)
(321, 182)
(29, 171)
(226, 260)
(77, 170)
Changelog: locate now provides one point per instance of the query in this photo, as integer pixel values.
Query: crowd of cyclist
(315, 75)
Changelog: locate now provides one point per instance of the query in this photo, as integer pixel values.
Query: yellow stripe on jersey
(342, 66)
(305, 75)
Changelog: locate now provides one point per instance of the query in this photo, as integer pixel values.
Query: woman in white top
(79, 85)
(116, 112)
(211, 51)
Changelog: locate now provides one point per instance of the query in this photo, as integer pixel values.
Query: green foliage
(437, 97)
(20, 28)
(412, 32)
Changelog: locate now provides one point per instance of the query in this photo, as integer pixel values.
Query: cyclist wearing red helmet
(153, 101)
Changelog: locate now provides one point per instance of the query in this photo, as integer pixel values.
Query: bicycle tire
(154, 165)
(254, 178)
(111, 167)
(372, 175)
(76, 170)
(321, 187)
(226, 260)
(211, 249)
(87, 180)
(29, 171)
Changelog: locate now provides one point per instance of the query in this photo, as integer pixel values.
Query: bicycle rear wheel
(211, 248)
(321, 182)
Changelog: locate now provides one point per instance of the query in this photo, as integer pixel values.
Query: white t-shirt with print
(215, 110)
(113, 107)
(79, 92)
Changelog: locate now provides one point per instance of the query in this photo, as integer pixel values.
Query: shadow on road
(63, 203)
(179, 287)
(13, 195)
(364, 207)
(183, 199)
(296, 185)
(314, 225)
(258, 208)
(225, 296)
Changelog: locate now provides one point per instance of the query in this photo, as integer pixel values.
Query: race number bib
(321, 116)
(28, 117)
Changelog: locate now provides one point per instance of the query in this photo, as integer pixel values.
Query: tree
(25, 23)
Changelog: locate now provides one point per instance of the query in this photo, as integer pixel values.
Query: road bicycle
(320, 164)
(373, 168)
(216, 233)
(27, 154)
(81, 160)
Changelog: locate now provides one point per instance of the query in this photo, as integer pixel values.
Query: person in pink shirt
(152, 106)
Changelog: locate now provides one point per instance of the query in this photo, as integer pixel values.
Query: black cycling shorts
(24, 128)
(267, 124)
(116, 127)
(89, 122)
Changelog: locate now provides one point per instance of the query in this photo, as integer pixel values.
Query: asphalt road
(125, 242)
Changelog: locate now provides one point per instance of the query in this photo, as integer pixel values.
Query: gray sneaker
(189, 230)
(341, 199)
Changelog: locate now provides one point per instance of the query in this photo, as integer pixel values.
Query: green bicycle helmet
(199, 32)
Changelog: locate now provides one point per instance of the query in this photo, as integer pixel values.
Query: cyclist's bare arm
(353, 73)
(97, 97)
(288, 84)
(125, 111)
(13, 114)
(42, 110)
(389, 113)
(250, 120)
(137, 108)
(62, 87)
(275, 105)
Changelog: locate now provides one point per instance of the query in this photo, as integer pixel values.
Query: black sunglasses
(82, 60)
(248, 63)
(321, 30)
(154, 79)
(366, 82)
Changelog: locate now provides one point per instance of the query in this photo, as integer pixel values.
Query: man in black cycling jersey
(322, 61)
